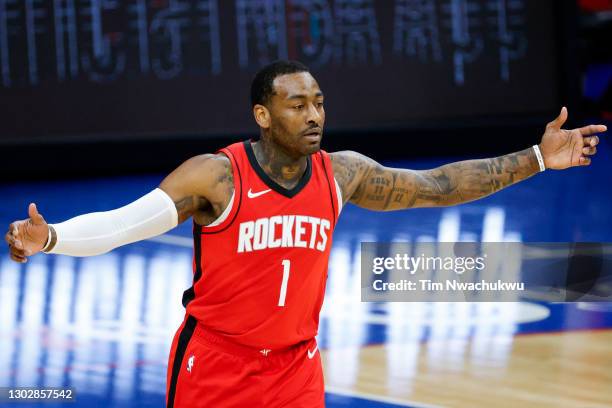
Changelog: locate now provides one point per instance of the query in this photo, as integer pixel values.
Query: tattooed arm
(370, 185)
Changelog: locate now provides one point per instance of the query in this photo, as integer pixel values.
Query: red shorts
(206, 370)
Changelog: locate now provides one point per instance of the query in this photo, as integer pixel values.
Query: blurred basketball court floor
(103, 325)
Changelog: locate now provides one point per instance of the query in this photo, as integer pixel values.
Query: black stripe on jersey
(189, 294)
(236, 193)
(181, 347)
(331, 195)
(273, 184)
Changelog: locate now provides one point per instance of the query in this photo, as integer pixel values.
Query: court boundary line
(377, 398)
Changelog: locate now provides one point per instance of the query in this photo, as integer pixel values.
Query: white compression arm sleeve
(97, 233)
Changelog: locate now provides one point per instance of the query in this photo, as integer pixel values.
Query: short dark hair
(262, 87)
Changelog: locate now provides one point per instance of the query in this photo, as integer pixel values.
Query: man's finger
(592, 129)
(37, 219)
(19, 259)
(9, 238)
(13, 230)
(584, 161)
(560, 120)
(589, 151)
(17, 255)
(18, 252)
(591, 140)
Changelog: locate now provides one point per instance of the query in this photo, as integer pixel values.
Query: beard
(295, 145)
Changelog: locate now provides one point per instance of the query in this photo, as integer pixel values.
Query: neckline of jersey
(289, 193)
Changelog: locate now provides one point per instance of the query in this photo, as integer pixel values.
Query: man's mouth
(313, 133)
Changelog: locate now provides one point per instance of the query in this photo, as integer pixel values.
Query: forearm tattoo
(370, 185)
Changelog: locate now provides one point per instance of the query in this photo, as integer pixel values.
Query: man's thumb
(36, 218)
(561, 119)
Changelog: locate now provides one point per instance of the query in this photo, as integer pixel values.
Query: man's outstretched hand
(568, 148)
(27, 237)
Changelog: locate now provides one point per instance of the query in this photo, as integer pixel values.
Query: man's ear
(262, 116)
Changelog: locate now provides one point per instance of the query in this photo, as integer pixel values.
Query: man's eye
(320, 104)
(298, 107)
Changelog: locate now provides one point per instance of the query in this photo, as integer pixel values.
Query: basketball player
(263, 217)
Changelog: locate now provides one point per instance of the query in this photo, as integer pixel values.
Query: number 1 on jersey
(283, 292)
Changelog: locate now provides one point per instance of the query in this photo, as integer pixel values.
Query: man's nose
(313, 115)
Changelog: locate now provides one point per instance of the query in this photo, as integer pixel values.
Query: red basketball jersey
(260, 273)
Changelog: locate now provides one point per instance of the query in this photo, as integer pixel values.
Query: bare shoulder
(349, 169)
(209, 162)
(205, 175)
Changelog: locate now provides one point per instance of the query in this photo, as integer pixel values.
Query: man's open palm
(27, 237)
(568, 148)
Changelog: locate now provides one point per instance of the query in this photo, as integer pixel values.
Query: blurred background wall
(106, 87)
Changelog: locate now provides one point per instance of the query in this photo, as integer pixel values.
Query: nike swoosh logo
(257, 194)
(312, 353)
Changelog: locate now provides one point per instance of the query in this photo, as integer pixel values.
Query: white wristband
(538, 154)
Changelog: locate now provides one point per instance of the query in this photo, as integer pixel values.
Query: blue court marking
(336, 400)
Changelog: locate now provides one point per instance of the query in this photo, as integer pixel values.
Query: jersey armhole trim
(339, 195)
(327, 170)
(224, 214)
